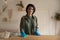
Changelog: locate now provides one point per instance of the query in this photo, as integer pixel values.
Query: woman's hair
(30, 5)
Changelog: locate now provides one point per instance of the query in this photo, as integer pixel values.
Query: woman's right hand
(23, 34)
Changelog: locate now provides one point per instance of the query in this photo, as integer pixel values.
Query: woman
(28, 25)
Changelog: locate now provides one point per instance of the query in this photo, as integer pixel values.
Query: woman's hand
(23, 34)
(37, 33)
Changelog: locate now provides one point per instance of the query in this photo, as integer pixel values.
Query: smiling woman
(28, 25)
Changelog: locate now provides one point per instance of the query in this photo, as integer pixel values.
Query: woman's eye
(30, 9)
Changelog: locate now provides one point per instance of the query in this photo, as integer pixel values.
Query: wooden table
(31, 37)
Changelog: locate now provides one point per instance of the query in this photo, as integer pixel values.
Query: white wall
(45, 10)
(58, 23)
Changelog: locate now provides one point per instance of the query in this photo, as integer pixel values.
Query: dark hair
(31, 6)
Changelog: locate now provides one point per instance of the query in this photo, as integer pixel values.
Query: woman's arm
(36, 30)
(22, 24)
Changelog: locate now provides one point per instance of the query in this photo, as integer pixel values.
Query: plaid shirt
(28, 25)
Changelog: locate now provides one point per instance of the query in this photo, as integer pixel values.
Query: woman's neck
(29, 14)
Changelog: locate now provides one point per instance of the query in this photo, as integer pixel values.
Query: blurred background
(11, 12)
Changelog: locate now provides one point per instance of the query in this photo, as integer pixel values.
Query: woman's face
(30, 10)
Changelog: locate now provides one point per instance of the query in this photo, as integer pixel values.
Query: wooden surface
(31, 37)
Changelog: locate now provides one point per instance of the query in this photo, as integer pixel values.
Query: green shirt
(28, 24)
